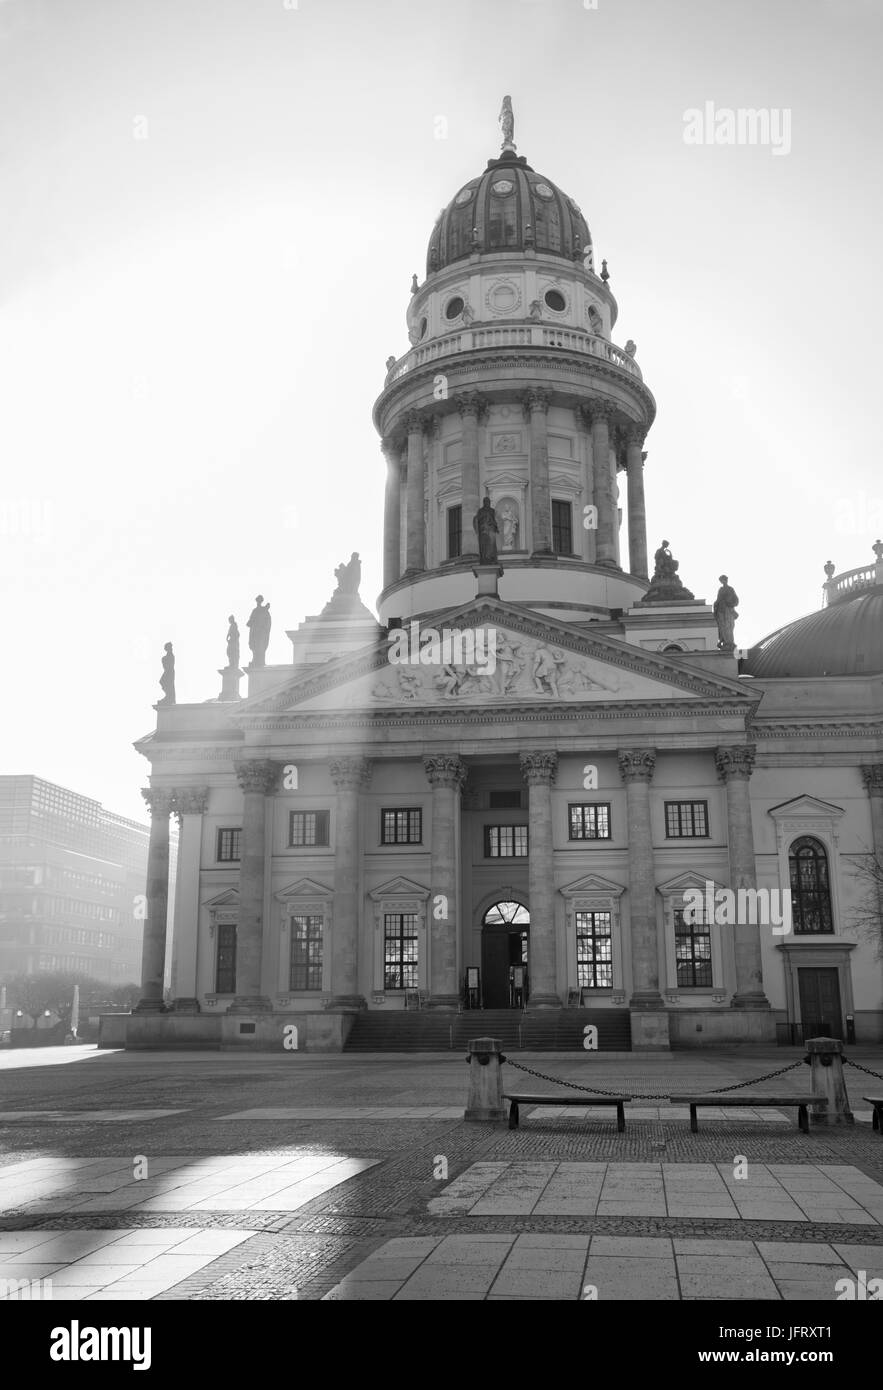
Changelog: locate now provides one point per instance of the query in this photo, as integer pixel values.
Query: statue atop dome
(507, 123)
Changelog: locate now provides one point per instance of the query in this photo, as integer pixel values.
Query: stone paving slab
(88, 1265)
(602, 1267)
(840, 1194)
(389, 1112)
(236, 1183)
(85, 1116)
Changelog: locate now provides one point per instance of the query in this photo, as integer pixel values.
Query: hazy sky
(211, 211)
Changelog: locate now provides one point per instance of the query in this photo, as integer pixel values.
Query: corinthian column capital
(443, 770)
(539, 769)
(159, 799)
(190, 801)
(635, 436)
(348, 774)
(413, 421)
(536, 399)
(737, 761)
(602, 412)
(471, 403)
(637, 764)
(257, 775)
(872, 776)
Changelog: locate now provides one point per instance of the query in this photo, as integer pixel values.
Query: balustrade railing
(514, 335)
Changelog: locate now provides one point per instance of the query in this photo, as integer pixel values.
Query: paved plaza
(127, 1176)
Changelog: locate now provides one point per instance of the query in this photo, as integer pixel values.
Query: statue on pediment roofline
(349, 575)
(725, 614)
(259, 624)
(666, 586)
(167, 679)
(232, 644)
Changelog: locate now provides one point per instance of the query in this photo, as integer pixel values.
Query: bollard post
(826, 1060)
(485, 1080)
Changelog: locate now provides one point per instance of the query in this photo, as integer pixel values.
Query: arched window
(810, 888)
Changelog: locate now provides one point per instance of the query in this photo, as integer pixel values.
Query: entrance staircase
(431, 1030)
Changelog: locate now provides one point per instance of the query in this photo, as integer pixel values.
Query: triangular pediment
(687, 882)
(593, 883)
(229, 898)
(398, 887)
(304, 888)
(490, 653)
(806, 808)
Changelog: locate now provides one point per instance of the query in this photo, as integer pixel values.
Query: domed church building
(539, 783)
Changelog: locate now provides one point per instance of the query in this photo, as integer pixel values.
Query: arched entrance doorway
(505, 929)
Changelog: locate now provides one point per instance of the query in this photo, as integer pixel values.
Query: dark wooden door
(820, 1002)
(495, 969)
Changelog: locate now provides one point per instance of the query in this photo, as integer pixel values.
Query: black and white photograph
(441, 754)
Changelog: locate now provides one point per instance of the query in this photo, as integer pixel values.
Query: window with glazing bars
(400, 950)
(686, 819)
(401, 827)
(594, 950)
(455, 532)
(505, 841)
(589, 821)
(308, 828)
(810, 889)
(225, 965)
(306, 952)
(228, 845)
(562, 528)
(692, 949)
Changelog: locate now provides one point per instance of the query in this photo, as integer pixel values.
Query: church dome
(843, 639)
(509, 208)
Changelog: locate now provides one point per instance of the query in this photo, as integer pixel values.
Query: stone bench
(516, 1100)
(877, 1118)
(726, 1102)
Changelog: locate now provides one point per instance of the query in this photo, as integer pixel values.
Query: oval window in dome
(464, 195)
(454, 307)
(555, 300)
(503, 186)
(544, 190)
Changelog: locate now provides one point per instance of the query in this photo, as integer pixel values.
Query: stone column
(539, 770)
(415, 553)
(153, 951)
(605, 501)
(471, 408)
(392, 529)
(734, 768)
(446, 776)
(584, 421)
(636, 768)
(349, 775)
(190, 804)
(535, 404)
(637, 513)
(872, 776)
(256, 778)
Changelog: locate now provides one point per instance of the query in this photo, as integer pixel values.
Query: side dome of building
(845, 638)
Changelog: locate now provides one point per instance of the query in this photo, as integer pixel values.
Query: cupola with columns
(513, 388)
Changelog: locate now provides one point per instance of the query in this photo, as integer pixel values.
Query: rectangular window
(686, 819)
(455, 532)
(693, 950)
(594, 950)
(562, 528)
(225, 968)
(505, 841)
(306, 952)
(308, 828)
(228, 846)
(400, 950)
(589, 821)
(401, 827)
